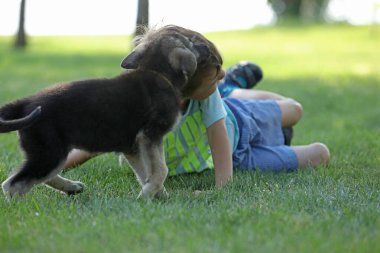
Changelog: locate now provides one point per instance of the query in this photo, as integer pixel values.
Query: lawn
(334, 71)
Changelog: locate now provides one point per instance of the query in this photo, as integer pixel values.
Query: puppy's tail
(9, 120)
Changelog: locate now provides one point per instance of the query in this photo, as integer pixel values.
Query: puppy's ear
(183, 60)
(131, 61)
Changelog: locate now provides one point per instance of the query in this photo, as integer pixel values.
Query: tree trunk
(304, 10)
(142, 17)
(322, 10)
(293, 8)
(21, 36)
(308, 10)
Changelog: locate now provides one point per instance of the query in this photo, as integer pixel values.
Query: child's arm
(221, 153)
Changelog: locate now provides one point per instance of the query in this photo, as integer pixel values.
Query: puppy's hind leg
(65, 185)
(38, 167)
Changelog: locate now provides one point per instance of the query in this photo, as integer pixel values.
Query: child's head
(204, 81)
(208, 69)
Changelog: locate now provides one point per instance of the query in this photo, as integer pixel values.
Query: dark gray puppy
(130, 113)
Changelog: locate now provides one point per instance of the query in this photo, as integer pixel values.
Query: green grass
(334, 71)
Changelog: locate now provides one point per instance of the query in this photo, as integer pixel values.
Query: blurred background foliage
(283, 11)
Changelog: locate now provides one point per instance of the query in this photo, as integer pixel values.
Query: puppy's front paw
(148, 193)
(162, 194)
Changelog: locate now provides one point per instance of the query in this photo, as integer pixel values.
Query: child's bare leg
(312, 155)
(291, 109)
(77, 157)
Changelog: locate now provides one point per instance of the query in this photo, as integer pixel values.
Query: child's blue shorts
(261, 141)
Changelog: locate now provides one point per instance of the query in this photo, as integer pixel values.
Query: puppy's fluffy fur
(129, 113)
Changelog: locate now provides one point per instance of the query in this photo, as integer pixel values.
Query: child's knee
(292, 111)
(297, 108)
(323, 152)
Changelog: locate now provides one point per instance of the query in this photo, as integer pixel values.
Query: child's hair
(214, 61)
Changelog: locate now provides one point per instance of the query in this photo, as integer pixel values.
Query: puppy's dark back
(113, 111)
